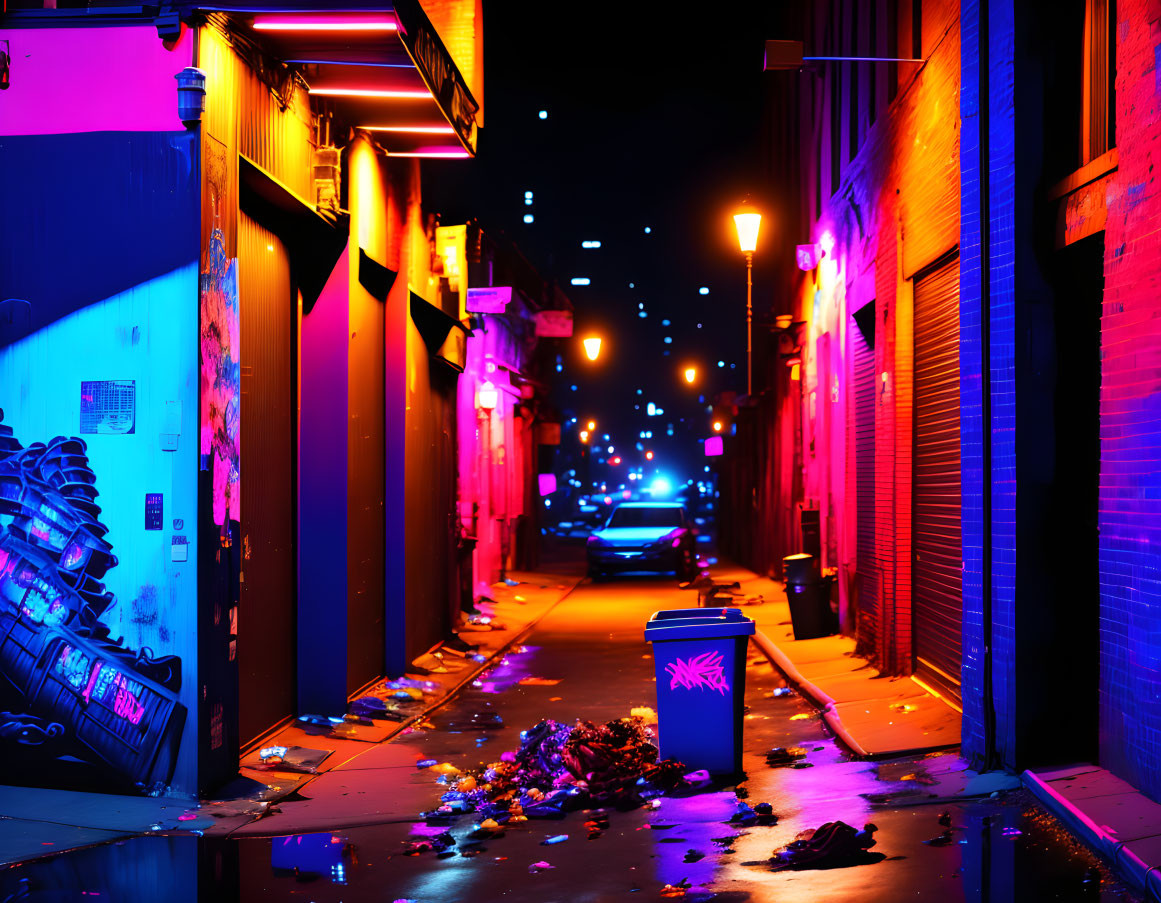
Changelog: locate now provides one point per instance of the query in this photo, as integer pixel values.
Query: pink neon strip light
(439, 155)
(371, 92)
(412, 129)
(324, 25)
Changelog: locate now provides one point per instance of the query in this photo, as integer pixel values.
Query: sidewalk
(37, 822)
(873, 715)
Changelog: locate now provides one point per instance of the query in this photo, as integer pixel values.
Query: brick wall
(895, 211)
(1130, 480)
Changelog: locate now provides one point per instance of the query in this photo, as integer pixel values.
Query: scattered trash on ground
(830, 845)
(676, 890)
(292, 758)
(539, 682)
(780, 756)
(538, 867)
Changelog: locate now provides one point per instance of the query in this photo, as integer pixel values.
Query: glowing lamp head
(591, 425)
(717, 426)
(487, 396)
(592, 347)
(584, 435)
(648, 456)
(747, 221)
(690, 374)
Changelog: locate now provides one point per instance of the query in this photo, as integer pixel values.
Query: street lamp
(690, 374)
(591, 425)
(592, 347)
(717, 426)
(747, 221)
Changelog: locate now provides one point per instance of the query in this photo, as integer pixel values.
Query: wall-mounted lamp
(191, 95)
(487, 396)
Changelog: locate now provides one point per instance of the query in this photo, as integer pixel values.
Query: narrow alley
(586, 659)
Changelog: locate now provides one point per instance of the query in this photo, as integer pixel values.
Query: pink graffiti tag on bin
(703, 671)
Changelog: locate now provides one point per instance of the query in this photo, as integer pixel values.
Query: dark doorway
(1061, 722)
(268, 326)
(937, 568)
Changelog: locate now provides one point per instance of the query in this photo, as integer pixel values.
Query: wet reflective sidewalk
(587, 660)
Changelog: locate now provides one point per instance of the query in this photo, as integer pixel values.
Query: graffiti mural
(220, 381)
(703, 671)
(66, 686)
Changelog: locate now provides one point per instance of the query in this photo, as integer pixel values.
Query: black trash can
(700, 660)
(809, 597)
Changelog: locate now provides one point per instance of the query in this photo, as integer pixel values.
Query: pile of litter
(561, 768)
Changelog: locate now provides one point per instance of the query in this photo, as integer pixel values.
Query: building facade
(956, 374)
(225, 298)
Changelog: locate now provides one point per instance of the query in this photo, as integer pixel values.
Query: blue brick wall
(1000, 432)
(972, 480)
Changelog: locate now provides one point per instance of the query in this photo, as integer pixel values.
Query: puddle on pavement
(1000, 850)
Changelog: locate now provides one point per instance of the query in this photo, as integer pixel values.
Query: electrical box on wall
(154, 510)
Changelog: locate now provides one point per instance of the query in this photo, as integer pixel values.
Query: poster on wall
(109, 407)
(72, 697)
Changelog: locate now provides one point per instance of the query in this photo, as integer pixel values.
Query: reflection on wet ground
(587, 660)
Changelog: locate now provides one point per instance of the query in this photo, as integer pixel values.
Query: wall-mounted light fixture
(487, 396)
(191, 95)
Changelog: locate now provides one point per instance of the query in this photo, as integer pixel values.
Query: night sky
(655, 119)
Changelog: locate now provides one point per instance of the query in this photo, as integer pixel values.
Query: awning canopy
(381, 67)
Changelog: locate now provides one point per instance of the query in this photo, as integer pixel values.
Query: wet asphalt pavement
(594, 664)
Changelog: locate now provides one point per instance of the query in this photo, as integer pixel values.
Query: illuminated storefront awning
(383, 68)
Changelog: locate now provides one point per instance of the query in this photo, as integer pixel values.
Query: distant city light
(615, 460)
(703, 291)
(717, 426)
(648, 230)
(592, 344)
(642, 314)
(721, 363)
(664, 322)
(528, 218)
(528, 195)
(648, 456)
(699, 326)
(592, 425)
(661, 486)
(578, 280)
(544, 114)
(639, 392)
(573, 387)
(651, 409)
(690, 374)
(632, 285)
(640, 305)
(610, 449)
(590, 244)
(669, 340)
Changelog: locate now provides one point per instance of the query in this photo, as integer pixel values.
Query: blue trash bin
(700, 659)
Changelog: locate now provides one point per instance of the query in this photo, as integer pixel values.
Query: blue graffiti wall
(101, 349)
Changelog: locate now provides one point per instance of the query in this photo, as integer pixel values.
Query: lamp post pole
(749, 322)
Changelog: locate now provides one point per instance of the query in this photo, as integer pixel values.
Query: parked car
(644, 536)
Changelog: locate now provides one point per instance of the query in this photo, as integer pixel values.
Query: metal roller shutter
(268, 593)
(937, 598)
(866, 572)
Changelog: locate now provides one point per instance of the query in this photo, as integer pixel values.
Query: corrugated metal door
(866, 572)
(268, 594)
(937, 574)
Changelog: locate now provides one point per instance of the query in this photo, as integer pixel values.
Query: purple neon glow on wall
(702, 672)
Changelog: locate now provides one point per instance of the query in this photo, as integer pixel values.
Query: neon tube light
(412, 129)
(439, 155)
(370, 92)
(307, 25)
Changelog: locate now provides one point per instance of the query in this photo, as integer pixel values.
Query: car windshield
(646, 517)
